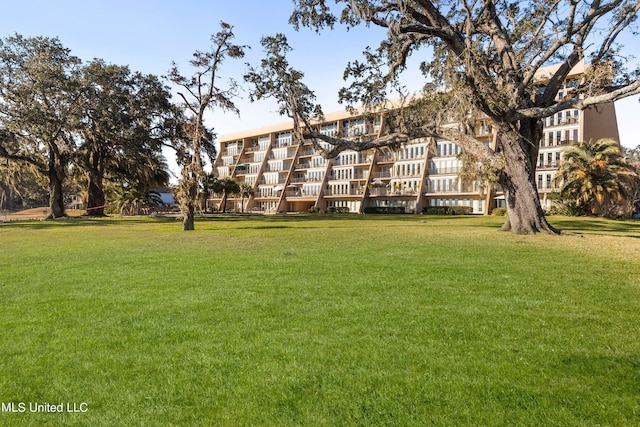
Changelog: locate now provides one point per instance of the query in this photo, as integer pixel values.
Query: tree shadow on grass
(598, 226)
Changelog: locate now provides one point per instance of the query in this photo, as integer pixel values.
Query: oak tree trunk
(56, 173)
(188, 218)
(187, 197)
(95, 196)
(95, 188)
(524, 211)
(56, 198)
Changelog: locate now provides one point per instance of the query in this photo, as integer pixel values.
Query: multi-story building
(289, 176)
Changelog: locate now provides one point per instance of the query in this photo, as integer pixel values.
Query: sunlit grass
(299, 320)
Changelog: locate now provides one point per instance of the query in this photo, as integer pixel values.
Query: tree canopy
(60, 117)
(595, 175)
(482, 58)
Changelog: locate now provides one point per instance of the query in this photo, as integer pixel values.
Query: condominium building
(290, 176)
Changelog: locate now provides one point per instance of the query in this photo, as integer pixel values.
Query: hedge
(384, 210)
(448, 210)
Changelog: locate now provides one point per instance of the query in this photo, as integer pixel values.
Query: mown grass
(303, 320)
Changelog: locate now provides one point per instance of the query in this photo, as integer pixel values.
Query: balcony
(293, 194)
(444, 171)
(382, 174)
(302, 165)
(338, 192)
(390, 192)
(386, 158)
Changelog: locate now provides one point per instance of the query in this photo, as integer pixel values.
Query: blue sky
(148, 35)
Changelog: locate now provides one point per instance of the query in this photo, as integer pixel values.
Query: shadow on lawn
(598, 226)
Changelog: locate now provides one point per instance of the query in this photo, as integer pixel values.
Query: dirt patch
(34, 214)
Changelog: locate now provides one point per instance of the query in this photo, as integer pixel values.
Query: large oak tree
(480, 57)
(125, 118)
(38, 93)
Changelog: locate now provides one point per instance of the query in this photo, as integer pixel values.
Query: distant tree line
(68, 127)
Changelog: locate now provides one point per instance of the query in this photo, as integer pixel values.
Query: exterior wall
(600, 122)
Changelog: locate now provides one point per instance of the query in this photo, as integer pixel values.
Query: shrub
(384, 210)
(314, 210)
(338, 209)
(448, 210)
(499, 211)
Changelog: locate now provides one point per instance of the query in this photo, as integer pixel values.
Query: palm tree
(225, 186)
(594, 174)
(246, 190)
(207, 184)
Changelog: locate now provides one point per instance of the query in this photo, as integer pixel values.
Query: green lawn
(303, 320)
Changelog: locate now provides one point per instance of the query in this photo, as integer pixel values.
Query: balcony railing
(301, 194)
(386, 158)
(444, 171)
(338, 192)
(383, 191)
(382, 174)
(302, 165)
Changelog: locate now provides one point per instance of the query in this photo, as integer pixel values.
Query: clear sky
(148, 35)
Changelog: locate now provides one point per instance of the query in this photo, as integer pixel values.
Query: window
(550, 139)
(548, 181)
(539, 182)
(575, 134)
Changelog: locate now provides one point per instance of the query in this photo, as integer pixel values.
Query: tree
(38, 79)
(246, 191)
(20, 186)
(594, 174)
(201, 92)
(633, 159)
(225, 187)
(123, 124)
(482, 58)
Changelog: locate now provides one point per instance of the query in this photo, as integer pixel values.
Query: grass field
(302, 320)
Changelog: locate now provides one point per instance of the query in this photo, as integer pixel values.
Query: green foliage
(38, 91)
(320, 320)
(385, 210)
(594, 177)
(337, 210)
(448, 210)
(566, 207)
(499, 212)
(314, 210)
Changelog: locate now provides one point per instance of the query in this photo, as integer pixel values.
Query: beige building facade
(289, 176)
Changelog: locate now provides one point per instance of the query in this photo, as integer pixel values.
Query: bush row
(330, 210)
(448, 210)
(384, 210)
